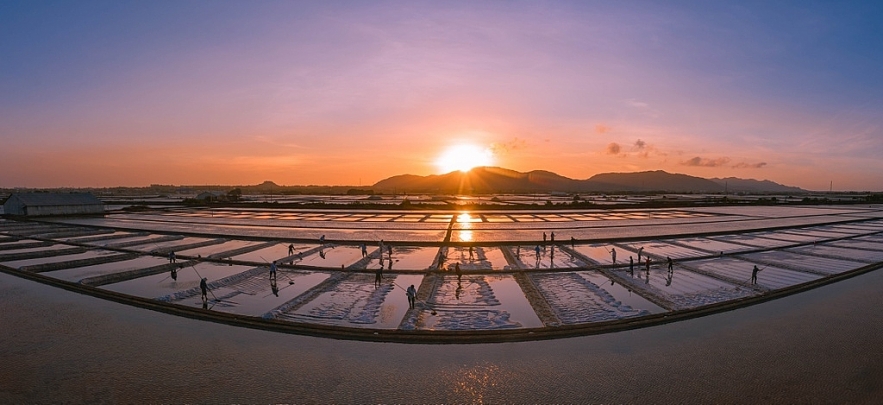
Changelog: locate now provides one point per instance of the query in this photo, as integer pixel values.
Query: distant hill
(736, 185)
(500, 180)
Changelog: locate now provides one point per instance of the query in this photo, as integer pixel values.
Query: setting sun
(463, 158)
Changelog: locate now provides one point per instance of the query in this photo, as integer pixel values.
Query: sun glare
(463, 158)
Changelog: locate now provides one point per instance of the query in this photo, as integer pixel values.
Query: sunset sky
(347, 93)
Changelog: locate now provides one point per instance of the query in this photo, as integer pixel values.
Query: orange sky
(164, 93)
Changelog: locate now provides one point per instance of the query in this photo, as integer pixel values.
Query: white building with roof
(39, 204)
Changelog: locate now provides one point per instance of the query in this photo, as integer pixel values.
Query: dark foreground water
(825, 345)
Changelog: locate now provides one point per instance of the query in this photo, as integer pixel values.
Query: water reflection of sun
(465, 220)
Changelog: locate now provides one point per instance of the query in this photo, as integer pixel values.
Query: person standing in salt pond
(631, 266)
(754, 274)
(364, 249)
(378, 276)
(204, 287)
(290, 249)
(412, 296)
(613, 254)
(273, 270)
(670, 264)
(640, 250)
(172, 258)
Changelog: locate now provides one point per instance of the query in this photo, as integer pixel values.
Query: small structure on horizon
(211, 196)
(41, 204)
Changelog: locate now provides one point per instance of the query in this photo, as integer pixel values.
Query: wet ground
(820, 346)
(517, 270)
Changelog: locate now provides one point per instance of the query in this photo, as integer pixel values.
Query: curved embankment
(427, 336)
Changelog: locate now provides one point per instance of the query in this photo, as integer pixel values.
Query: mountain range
(500, 180)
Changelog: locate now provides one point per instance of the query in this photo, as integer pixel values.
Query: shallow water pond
(162, 284)
(257, 295)
(79, 273)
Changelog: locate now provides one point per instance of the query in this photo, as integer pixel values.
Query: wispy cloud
(744, 165)
(705, 162)
(613, 148)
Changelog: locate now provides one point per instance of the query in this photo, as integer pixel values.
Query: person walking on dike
(552, 238)
(388, 251)
(754, 274)
(364, 250)
(204, 288)
(471, 253)
(572, 242)
(172, 258)
(290, 249)
(544, 238)
(670, 264)
(273, 270)
(613, 254)
(640, 250)
(412, 296)
(537, 250)
(631, 266)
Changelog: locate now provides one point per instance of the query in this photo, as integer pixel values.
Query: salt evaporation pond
(57, 246)
(169, 244)
(144, 239)
(404, 258)
(79, 273)
(790, 237)
(684, 288)
(858, 244)
(621, 293)
(836, 252)
(115, 235)
(740, 271)
(57, 259)
(483, 258)
(712, 246)
(254, 295)
(217, 250)
(575, 299)
(474, 303)
(600, 253)
(332, 256)
(273, 253)
(658, 249)
(753, 239)
(357, 302)
(159, 285)
(791, 260)
(11, 245)
(551, 257)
